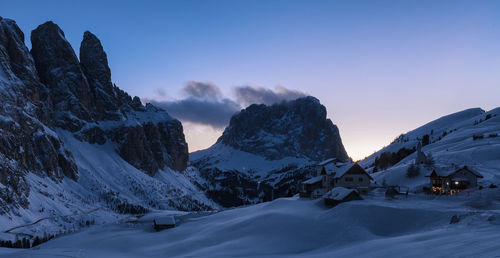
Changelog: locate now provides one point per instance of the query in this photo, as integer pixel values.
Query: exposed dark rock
(94, 64)
(83, 95)
(48, 90)
(292, 128)
(152, 146)
(59, 69)
(26, 144)
(93, 135)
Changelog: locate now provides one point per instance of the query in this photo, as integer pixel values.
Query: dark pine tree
(425, 140)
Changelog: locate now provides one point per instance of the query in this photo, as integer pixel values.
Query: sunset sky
(381, 68)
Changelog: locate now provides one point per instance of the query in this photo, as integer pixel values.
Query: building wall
(462, 173)
(318, 170)
(358, 180)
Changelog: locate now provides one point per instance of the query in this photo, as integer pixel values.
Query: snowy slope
(233, 177)
(457, 147)
(225, 157)
(105, 182)
(374, 227)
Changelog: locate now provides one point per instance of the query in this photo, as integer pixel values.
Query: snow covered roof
(445, 172)
(339, 171)
(167, 220)
(330, 168)
(439, 171)
(339, 193)
(313, 180)
(324, 162)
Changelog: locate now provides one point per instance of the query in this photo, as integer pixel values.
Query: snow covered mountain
(72, 141)
(266, 151)
(469, 137)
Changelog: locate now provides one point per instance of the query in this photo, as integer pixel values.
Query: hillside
(469, 137)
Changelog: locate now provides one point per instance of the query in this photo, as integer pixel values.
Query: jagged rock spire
(77, 97)
(94, 62)
(59, 69)
(16, 55)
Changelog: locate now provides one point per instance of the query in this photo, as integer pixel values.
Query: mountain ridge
(57, 113)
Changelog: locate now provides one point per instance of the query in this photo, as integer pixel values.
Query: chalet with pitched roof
(445, 181)
(333, 173)
(351, 176)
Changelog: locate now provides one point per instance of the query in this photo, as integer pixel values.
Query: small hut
(339, 195)
(162, 223)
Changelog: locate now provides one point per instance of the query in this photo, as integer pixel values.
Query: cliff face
(82, 97)
(297, 128)
(266, 151)
(27, 144)
(48, 89)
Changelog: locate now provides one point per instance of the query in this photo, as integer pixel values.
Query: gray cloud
(202, 90)
(205, 104)
(212, 113)
(247, 95)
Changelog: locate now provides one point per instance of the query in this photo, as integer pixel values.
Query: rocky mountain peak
(94, 62)
(297, 128)
(59, 69)
(16, 53)
(75, 95)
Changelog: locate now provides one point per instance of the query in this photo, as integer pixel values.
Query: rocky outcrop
(59, 69)
(83, 97)
(26, 143)
(297, 128)
(94, 63)
(47, 89)
(151, 146)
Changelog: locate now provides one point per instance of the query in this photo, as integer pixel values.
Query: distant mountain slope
(71, 140)
(266, 147)
(470, 137)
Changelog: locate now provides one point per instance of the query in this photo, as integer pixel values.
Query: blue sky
(380, 67)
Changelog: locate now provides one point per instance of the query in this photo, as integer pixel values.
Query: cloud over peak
(248, 95)
(205, 104)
